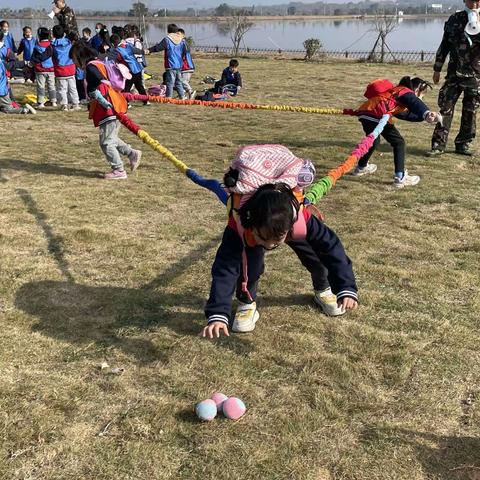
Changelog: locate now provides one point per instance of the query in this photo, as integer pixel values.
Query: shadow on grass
(451, 458)
(113, 316)
(45, 168)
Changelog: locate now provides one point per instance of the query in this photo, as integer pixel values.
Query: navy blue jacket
(226, 268)
(416, 108)
(231, 78)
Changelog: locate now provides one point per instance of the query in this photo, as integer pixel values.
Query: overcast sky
(126, 4)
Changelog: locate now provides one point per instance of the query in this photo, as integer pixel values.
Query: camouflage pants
(447, 98)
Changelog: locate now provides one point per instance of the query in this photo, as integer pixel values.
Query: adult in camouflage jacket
(66, 17)
(463, 76)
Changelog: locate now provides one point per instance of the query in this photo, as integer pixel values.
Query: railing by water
(406, 56)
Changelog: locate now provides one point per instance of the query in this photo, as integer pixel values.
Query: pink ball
(233, 408)
(219, 398)
(206, 410)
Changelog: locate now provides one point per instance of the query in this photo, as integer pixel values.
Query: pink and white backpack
(257, 165)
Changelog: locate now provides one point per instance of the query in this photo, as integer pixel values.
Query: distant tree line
(366, 7)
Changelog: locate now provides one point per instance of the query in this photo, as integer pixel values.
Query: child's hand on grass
(214, 329)
(347, 303)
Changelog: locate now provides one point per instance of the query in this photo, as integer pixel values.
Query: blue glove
(101, 99)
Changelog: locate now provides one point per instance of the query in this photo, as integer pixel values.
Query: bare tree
(383, 24)
(236, 25)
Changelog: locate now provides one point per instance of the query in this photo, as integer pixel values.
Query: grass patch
(98, 272)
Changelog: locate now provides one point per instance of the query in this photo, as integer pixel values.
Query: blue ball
(206, 410)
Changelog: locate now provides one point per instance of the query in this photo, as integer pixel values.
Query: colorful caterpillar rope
(320, 188)
(316, 191)
(239, 105)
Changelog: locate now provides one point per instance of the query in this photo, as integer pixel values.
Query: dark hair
(73, 36)
(414, 83)
(104, 34)
(181, 30)
(116, 30)
(272, 209)
(87, 30)
(82, 53)
(4, 22)
(26, 27)
(58, 31)
(172, 28)
(233, 62)
(115, 40)
(43, 33)
(100, 24)
(1, 36)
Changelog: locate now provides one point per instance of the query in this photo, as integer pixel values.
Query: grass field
(95, 272)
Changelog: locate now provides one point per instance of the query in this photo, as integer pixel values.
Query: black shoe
(464, 151)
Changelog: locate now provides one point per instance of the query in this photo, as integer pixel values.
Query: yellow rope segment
(242, 105)
(165, 152)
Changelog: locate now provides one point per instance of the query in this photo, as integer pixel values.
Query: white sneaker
(30, 109)
(40, 105)
(192, 94)
(327, 301)
(366, 170)
(63, 108)
(406, 181)
(76, 108)
(246, 317)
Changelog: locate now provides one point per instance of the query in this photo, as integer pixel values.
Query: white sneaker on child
(76, 108)
(40, 105)
(327, 301)
(30, 109)
(366, 170)
(246, 317)
(405, 181)
(63, 108)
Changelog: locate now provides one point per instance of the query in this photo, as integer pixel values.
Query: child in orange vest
(404, 102)
(104, 102)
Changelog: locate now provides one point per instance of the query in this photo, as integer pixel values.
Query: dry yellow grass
(96, 272)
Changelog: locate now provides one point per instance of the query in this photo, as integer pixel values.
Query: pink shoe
(134, 159)
(115, 175)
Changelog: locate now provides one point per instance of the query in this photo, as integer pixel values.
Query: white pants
(67, 90)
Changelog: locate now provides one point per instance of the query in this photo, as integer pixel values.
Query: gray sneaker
(134, 159)
(368, 169)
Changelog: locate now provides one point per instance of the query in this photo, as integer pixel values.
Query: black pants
(137, 80)
(82, 94)
(392, 136)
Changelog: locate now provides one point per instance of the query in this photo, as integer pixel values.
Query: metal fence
(406, 56)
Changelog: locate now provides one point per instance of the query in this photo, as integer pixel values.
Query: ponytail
(415, 83)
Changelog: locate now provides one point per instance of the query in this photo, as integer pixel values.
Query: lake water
(352, 35)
